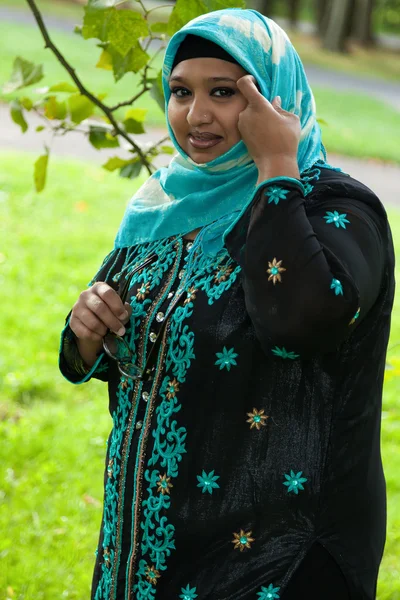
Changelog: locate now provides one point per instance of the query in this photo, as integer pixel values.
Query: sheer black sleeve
(311, 272)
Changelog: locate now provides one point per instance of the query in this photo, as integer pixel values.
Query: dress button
(145, 396)
(189, 246)
(139, 425)
(181, 274)
(153, 336)
(170, 294)
(160, 317)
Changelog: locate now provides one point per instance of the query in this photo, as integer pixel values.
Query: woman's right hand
(97, 310)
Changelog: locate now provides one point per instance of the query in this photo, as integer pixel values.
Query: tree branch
(131, 101)
(103, 107)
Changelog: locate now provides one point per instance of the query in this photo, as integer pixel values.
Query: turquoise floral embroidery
(354, 319)
(337, 219)
(207, 482)
(283, 353)
(275, 194)
(269, 593)
(337, 286)
(295, 482)
(226, 359)
(188, 593)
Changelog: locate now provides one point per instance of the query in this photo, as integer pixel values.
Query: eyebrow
(177, 78)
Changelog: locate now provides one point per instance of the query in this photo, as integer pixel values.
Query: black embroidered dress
(257, 434)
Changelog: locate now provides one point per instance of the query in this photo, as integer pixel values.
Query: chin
(203, 157)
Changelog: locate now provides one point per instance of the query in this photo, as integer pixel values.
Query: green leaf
(134, 119)
(135, 60)
(220, 4)
(80, 108)
(159, 27)
(105, 61)
(167, 149)
(125, 29)
(131, 170)
(54, 109)
(40, 171)
(96, 22)
(24, 73)
(17, 115)
(184, 11)
(40, 128)
(102, 138)
(63, 86)
(115, 163)
(157, 93)
(322, 122)
(26, 103)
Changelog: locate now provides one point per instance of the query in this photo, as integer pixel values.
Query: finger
(112, 299)
(129, 310)
(92, 322)
(103, 312)
(83, 332)
(248, 87)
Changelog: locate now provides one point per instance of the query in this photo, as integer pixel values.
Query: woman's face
(204, 106)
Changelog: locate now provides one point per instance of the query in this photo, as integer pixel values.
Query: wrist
(279, 167)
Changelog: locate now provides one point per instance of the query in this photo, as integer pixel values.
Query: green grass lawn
(53, 434)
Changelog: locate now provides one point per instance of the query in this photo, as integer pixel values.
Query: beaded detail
(208, 482)
(354, 319)
(226, 359)
(275, 194)
(337, 287)
(275, 270)
(283, 353)
(294, 482)
(337, 219)
(188, 593)
(268, 593)
(257, 418)
(242, 540)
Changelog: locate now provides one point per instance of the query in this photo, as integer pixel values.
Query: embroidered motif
(336, 218)
(223, 273)
(275, 194)
(188, 593)
(337, 286)
(123, 384)
(269, 593)
(207, 482)
(354, 319)
(226, 359)
(143, 291)
(172, 389)
(283, 353)
(308, 188)
(107, 557)
(257, 418)
(164, 484)
(109, 468)
(242, 540)
(275, 271)
(295, 482)
(191, 295)
(152, 575)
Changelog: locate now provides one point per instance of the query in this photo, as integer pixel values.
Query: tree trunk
(338, 28)
(265, 7)
(294, 9)
(322, 11)
(362, 29)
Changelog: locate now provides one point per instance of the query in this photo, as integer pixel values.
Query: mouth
(203, 141)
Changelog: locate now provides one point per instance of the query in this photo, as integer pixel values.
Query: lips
(204, 140)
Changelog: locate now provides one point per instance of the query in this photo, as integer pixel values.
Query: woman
(253, 285)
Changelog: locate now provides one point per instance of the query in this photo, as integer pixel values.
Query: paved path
(382, 178)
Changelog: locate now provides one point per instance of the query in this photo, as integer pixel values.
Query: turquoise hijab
(186, 195)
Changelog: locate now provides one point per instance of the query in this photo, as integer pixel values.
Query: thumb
(248, 87)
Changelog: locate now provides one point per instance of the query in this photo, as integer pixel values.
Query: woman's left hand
(271, 134)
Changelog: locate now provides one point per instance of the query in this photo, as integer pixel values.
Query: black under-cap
(194, 46)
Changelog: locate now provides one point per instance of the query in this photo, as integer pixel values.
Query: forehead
(207, 67)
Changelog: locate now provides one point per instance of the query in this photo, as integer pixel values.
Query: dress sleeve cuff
(71, 364)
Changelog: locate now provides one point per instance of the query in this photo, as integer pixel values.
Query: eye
(223, 92)
(180, 92)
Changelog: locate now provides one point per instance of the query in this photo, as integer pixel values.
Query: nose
(199, 113)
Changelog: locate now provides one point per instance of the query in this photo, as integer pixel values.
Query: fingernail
(279, 100)
(121, 331)
(123, 316)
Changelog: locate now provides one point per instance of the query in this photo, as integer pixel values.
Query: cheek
(176, 118)
(231, 117)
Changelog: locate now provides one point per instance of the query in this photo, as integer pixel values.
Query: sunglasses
(117, 348)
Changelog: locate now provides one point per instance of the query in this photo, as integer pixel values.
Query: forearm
(89, 351)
